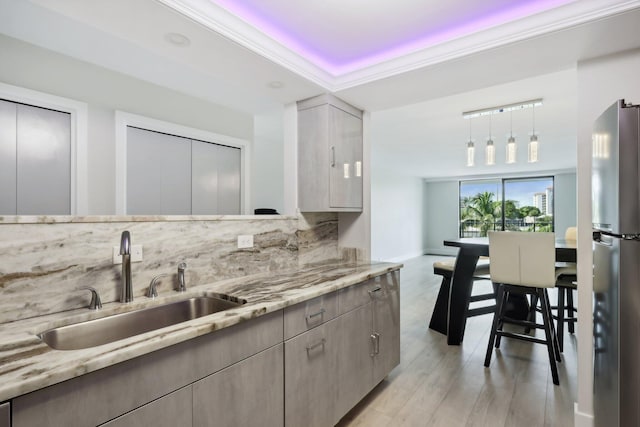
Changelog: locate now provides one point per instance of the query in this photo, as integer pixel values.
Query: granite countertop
(27, 364)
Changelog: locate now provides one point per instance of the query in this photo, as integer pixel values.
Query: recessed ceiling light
(177, 39)
(275, 84)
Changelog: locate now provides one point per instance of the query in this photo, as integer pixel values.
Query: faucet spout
(126, 291)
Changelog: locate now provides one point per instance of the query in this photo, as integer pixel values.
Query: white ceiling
(396, 59)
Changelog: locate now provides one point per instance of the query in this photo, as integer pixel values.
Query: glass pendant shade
(470, 153)
(511, 150)
(490, 153)
(533, 149)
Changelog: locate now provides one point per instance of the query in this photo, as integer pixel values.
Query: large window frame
(491, 222)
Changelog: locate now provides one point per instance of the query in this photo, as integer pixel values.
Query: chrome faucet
(182, 286)
(126, 291)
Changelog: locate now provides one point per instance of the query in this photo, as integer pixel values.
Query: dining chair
(524, 263)
(440, 313)
(566, 279)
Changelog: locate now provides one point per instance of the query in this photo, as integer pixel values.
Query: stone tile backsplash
(43, 264)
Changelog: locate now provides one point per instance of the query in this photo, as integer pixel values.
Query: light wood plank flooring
(441, 385)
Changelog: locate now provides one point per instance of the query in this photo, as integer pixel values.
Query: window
(519, 204)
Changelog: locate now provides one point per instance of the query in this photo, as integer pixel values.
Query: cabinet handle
(375, 343)
(333, 156)
(374, 290)
(318, 344)
(316, 314)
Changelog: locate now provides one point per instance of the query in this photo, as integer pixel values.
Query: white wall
(397, 216)
(565, 202)
(441, 200)
(601, 82)
(105, 91)
(267, 172)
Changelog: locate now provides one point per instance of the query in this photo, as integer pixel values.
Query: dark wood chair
(440, 313)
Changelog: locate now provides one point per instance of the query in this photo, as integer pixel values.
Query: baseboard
(406, 256)
(580, 419)
(441, 251)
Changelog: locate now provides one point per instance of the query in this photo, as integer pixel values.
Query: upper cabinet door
(345, 138)
(330, 166)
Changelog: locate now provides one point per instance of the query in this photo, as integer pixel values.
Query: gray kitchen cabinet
(329, 155)
(310, 377)
(308, 364)
(369, 337)
(354, 377)
(248, 393)
(5, 414)
(105, 394)
(331, 367)
(386, 325)
(174, 409)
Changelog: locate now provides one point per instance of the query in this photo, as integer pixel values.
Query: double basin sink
(112, 328)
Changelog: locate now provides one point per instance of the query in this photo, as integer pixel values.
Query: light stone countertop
(28, 364)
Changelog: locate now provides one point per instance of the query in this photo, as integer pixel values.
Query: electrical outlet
(245, 241)
(136, 254)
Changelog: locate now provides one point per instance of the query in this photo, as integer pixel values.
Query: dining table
(470, 249)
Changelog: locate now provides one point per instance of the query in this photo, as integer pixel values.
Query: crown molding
(560, 18)
(218, 19)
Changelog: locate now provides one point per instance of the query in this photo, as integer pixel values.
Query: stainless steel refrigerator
(616, 259)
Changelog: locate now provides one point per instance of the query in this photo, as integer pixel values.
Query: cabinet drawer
(362, 293)
(309, 314)
(171, 410)
(355, 296)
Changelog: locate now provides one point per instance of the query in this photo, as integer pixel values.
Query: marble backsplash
(43, 263)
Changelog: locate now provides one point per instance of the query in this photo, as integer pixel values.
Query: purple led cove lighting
(344, 57)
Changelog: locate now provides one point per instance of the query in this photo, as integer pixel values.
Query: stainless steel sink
(119, 326)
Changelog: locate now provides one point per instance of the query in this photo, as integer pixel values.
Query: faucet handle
(152, 292)
(95, 303)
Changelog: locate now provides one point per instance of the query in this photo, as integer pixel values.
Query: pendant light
(533, 140)
(490, 149)
(470, 149)
(511, 144)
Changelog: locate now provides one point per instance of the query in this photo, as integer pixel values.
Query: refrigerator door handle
(623, 236)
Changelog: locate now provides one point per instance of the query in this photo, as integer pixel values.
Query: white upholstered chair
(523, 262)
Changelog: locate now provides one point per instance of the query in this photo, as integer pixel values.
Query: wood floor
(441, 385)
